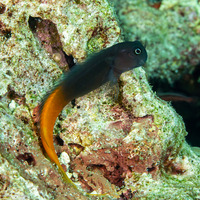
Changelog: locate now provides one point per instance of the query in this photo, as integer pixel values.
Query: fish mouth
(142, 62)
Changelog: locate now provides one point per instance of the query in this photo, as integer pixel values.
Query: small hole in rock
(28, 157)
(59, 140)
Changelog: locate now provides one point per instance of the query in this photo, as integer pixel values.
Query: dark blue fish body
(107, 65)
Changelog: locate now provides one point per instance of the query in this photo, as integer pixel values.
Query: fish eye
(138, 51)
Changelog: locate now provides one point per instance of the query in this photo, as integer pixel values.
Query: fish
(176, 97)
(154, 3)
(101, 67)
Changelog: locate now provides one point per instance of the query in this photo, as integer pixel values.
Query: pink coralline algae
(118, 163)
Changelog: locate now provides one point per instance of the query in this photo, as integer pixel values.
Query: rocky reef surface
(126, 146)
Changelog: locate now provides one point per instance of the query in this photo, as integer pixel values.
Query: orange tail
(53, 105)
